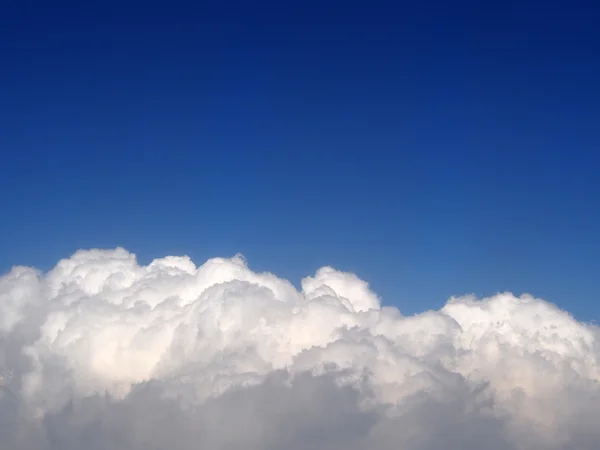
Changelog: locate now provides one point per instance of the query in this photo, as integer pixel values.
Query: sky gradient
(434, 151)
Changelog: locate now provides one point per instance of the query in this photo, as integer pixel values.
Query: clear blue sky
(434, 150)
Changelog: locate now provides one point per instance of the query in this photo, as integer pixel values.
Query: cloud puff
(102, 352)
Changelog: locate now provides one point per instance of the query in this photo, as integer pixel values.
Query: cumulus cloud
(102, 352)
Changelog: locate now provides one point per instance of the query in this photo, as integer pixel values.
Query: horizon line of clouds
(220, 355)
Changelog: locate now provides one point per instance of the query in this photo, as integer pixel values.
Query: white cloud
(103, 352)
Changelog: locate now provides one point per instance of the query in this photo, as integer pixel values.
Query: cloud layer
(104, 353)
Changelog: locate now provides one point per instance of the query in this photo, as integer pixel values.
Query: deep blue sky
(433, 149)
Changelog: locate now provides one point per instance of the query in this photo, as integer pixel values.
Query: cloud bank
(104, 353)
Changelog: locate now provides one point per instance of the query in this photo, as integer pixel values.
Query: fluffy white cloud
(102, 352)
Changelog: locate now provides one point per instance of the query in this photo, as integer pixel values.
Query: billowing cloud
(102, 352)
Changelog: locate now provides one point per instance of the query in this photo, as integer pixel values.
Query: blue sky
(433, 150)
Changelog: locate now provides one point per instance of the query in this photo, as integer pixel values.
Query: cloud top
(104, 351)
